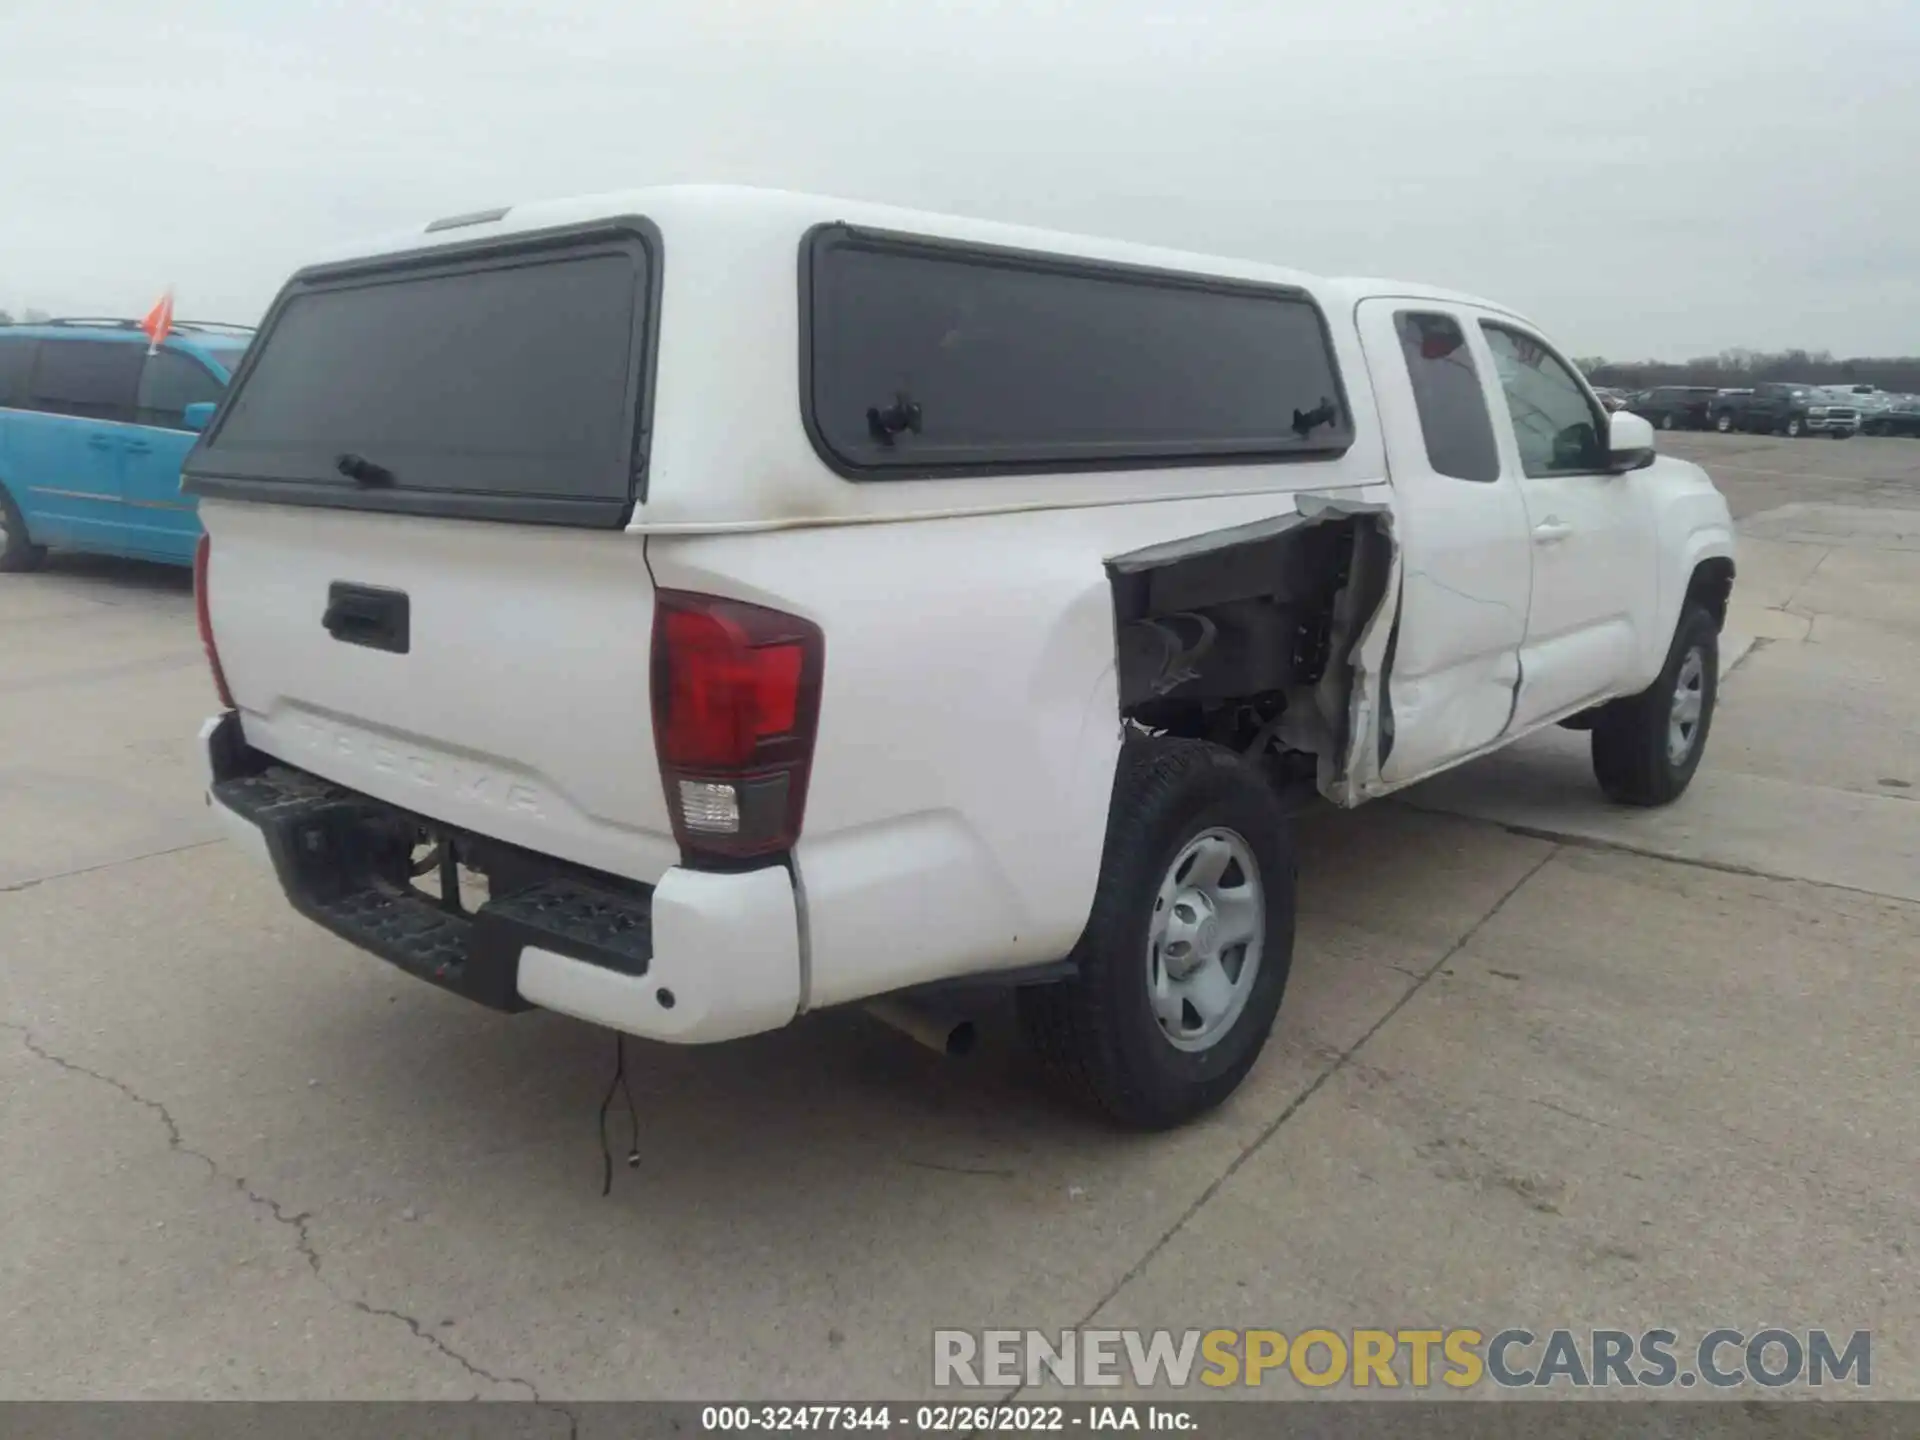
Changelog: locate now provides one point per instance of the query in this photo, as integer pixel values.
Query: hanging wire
(618, 1085)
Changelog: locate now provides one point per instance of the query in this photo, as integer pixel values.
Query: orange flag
(159, 321)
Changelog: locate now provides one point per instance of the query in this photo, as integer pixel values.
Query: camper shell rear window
(925, 357)
(506, 381)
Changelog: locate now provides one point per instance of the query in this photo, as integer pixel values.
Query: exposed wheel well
(1241, 637)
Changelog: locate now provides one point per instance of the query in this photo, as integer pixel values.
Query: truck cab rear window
(502, 387)
(1446, 390)
(926, 358)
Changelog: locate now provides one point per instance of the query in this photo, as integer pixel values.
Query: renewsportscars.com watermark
(1458, 1358)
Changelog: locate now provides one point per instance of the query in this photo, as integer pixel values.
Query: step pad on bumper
(343, 859)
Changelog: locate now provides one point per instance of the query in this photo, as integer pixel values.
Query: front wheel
(1647, 746)
(17, 551)
(1723, 423)
(1666, 421)
(1184, 960)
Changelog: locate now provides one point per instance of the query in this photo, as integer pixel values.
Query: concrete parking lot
(1542, 1063)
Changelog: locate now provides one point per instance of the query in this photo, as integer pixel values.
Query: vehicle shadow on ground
(447, 1160)
(838, 1095)
(835, 1094)
(435, 1161)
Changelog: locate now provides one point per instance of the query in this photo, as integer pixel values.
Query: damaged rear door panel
(1463, 528)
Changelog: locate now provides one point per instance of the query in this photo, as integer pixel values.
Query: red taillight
(736, 700)
(202, 555)
(723, 694)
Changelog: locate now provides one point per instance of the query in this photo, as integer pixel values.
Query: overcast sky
(1645, 177)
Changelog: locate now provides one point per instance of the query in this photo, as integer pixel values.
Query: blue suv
(93, 430)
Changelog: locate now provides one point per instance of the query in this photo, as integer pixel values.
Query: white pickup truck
(696, 607)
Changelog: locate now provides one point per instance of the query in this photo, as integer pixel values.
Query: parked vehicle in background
(93, 430)
(1676, 407)
(1834, 412)
(1899, 416)
(1869, 400)
(560, 596)
(1782, 408)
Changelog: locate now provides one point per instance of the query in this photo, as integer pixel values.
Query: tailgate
(419, 579)
(519, 707)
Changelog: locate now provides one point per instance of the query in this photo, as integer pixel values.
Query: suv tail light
(202, 556)
(736, 706)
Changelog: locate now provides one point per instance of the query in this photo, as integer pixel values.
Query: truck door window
(1446, 388)
(1554, 422)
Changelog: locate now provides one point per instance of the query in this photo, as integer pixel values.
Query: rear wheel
(17, 551)
(1647, 746)
(1184, 960)
(1792, 428)
(1723, 423)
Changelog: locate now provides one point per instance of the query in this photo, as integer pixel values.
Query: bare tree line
(1740, 368)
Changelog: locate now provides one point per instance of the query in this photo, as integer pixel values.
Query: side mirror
(1630, 443)
(196, 415)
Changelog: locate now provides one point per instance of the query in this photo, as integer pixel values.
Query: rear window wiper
(363, 471)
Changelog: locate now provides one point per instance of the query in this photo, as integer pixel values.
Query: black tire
(1666, 421)
(1723, 423)
(1098, 1032)
(17, 551)
(1632, 757)
(1792, 427)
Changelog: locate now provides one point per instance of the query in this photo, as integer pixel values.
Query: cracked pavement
(1541, 1063)
(297, 1224)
